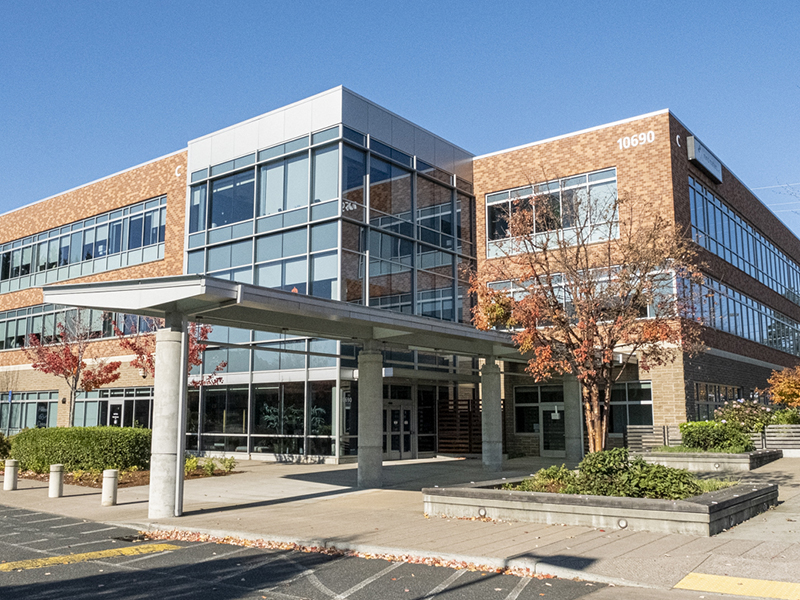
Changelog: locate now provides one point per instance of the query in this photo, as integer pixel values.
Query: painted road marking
(66, 559)
(43, 520)
(368, 580)
(444, 585)
(98, 530)
(740, 586)
(518, 590)
(67, 525)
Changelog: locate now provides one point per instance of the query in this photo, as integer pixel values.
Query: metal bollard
(110, 479)
(56, 481)
(10, 478)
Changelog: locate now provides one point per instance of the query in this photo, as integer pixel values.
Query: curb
(539, 567)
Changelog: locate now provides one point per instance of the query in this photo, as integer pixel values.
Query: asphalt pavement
(319, 505)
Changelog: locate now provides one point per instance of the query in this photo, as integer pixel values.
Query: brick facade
(165, 176)
(655, 173)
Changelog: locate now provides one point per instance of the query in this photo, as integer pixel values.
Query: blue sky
(91, 88)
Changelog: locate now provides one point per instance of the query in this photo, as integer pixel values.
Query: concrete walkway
(317, 505)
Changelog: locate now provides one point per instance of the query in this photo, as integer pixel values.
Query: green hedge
(84, 448)
(715, 436)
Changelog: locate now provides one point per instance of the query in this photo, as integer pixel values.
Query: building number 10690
(636, 140)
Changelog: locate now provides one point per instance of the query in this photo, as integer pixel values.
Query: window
(527, 400)
(37, 257)
(710, 396)
(631, 404)
(585, 203)
(232, 199)
(720, 230)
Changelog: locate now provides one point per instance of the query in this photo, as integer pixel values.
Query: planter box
(704, 515)
(709, 462)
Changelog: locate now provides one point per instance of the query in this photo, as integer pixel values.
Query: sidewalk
(319, 505)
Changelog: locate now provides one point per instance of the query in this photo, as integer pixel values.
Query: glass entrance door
(398, 433)
(115, 414)
(553, 433)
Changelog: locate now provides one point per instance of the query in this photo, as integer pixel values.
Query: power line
(769, 187)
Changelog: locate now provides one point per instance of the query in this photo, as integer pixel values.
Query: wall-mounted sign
(702, 157)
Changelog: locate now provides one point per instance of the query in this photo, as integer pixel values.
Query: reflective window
(720, 230)
(232, 199)
(584, 205)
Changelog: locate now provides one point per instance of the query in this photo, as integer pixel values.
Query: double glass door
(398, 433)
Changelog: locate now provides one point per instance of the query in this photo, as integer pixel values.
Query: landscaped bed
(611, 491)
(133, 478)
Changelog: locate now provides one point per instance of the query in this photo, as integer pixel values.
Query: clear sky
(91, 88)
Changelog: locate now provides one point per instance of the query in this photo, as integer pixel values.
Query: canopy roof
(226, 303)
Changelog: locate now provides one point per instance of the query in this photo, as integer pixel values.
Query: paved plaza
(320, 505)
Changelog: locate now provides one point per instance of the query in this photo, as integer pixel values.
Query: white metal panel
(326, 110)
(402, 135)
(380, 123)
(246, 138)
(199, 154)
(355, 112)
(298, 120)
(222, 146)
(445, 156)
(425, 145)
(271, 129)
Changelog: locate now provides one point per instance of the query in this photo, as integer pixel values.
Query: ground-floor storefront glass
(26, 410)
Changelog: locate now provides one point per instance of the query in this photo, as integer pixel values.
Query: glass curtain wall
(335, 215)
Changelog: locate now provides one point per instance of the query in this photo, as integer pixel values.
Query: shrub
(716, 437)
(228, 464)
(786, 416)
(746, 415)
(84, 448)
(5, 446)
(559, 480)
(209, 466)
(613, 473)
(190, 464)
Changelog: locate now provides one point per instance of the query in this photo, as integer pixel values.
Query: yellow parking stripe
(740, 586)
(66, 559)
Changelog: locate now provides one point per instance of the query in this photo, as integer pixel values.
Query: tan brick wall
(643, 172)
(164, 176)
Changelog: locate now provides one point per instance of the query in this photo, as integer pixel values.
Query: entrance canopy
(226, 303)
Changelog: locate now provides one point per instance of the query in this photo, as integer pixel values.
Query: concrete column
(573, 418)
(166, 404)
(370, 419)
(491, 416)
(56, 483)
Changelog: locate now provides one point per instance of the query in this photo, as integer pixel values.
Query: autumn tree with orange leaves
(142, 344)
(588, 283)
(70, 355)
(784, 387)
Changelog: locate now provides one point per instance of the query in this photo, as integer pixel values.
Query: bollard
(10, 478)
(56, 481)
(110, 478)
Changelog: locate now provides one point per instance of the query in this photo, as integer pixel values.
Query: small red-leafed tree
(141, 342)
(72, 355)
(588, 283)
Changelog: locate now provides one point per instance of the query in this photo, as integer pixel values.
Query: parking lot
(50, 556)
